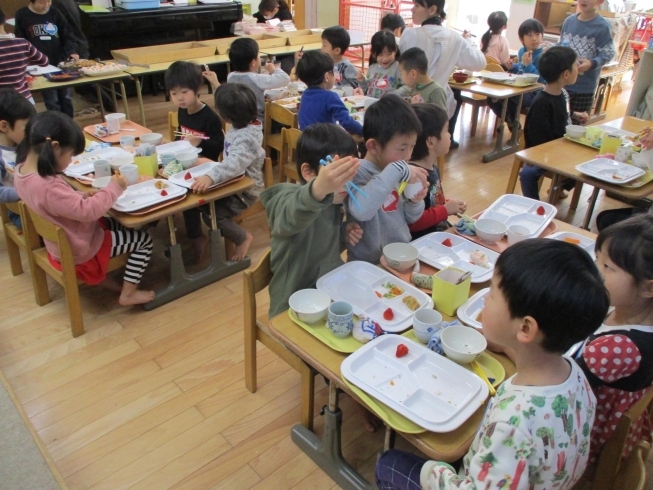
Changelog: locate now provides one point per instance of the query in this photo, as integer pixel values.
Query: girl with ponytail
(493, 43)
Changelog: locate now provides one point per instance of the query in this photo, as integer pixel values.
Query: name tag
(45, 38)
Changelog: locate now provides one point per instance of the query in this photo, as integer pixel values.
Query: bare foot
(241, 250)
(131, 295)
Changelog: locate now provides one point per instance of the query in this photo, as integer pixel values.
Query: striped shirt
(15, 55)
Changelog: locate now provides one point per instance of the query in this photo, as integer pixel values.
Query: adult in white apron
(445, 49)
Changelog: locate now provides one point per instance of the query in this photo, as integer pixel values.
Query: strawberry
(541, 211)
(447, 242)
(188, 176)
(402, 350)
(164, 192)
(388, 314)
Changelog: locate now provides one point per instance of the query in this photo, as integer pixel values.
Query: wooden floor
(157, 399)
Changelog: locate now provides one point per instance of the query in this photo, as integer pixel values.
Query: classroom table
(293, 48)
(561, 157)
(503, 92)
(182, 283)
(326, 452)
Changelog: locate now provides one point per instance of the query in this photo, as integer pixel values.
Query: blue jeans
(58, 99)
(529, 178)
(398, 470)
(15, 219)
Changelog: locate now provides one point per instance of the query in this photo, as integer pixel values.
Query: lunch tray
(501, 245)
(586, 243)
(504, 79)
(177, 147)
(512, 209)
(137, 132)
(610, 171)
(320, 331)
(426, 388)
(82, 164)
(197, 172)
(361, 284)
(146, 194)
(434, 253)
(469, 311)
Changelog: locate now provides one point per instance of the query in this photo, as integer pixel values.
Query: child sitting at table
(335, 41)
(549, 115)
(418, 86)
(319, 103)
(15, 110)
(245, 63)
(51, 140)
(394, 23)
(383, 72)
(545, 295)
(243, 154)
(306, 222)
(432, 142)
(390, 131)
(493, 43)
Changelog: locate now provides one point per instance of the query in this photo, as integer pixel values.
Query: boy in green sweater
(307, 222)
(418, 86)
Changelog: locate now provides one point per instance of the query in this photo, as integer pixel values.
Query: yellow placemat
(582, 141)
(319, 330)
(644, 179)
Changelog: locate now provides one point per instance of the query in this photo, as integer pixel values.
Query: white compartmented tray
(586, 243)
(85, 161)
(610, 171)
(195, 172)
(423, 386)
(615, 131)
(468, 312)
(176, 147)
(145, 194)
(357, 101)
(509, 78)
(357, 283)
(434, 253)
(519, 210)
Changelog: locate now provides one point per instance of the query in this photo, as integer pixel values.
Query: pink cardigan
(53, 199)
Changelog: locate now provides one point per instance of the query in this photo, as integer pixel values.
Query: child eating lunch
(335, 41)
(418, 85)
(51, 140)
(545, 295)
(383, 74)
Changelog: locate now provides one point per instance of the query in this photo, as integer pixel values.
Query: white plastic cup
(127, 141)
(425, 323)
(517, 233)
(412, 190)
(348, 91)
(102, 168)
(130, 173)
(622, 154)
(113, 123)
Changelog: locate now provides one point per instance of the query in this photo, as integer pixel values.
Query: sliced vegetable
(568, 239)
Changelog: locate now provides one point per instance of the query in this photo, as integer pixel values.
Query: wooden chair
(34, 227)
(14, 237)
(287, 162)
(632, 475)
(173, 124)
(494, 67)
(275, 112)
(476, 101)
(491, 60)
(255, 280)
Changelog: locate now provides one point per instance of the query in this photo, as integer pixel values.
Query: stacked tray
(188, 177)
(82, 164)
(469, 312)
(519, 210)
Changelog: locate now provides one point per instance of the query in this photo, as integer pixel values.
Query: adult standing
(444, 48)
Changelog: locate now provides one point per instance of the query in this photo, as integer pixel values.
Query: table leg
(125, 105)
(113, 96)
(389, 440)
(308, 395)
(590, 209)
(98, 90)
(139, 95)
(553, 193)
(501, 150)
(514, 174)
(182, 283)
(327, 453)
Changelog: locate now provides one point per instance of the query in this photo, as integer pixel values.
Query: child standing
(544, 296)
(335, 41)
(394, 23)
(617, 357)
(319, 103)
(245, 63)
(390, 131)
(588, 34)
(493, 43)
(48, 31)
(432, 142)
(307, 226)
(383, 72)
(51, 140)
(417, 83)
(243, 154)
(549, 114)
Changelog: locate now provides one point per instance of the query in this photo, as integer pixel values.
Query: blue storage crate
(137, 4)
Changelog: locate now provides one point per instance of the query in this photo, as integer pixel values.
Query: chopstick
(180, 133)
(464, 217)
(481, 375)
(349, 186)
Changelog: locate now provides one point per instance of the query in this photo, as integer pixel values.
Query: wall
(520, 10)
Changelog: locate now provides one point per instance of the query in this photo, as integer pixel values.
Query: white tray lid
(512, 209)
(615, 131)
(605, 169)
(469, 310)
(356, 283)
(586, 243)
(426, 388)
(145, 194)
(86, 160)
(195, 172)
(432, 252)
(176, 147)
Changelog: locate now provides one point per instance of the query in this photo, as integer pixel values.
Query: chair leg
(40, 285)
(474, 119)
(74, 306)
(14, 256)
(308, 395)
(576, 196)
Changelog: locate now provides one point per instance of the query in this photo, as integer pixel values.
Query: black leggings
(459, 101)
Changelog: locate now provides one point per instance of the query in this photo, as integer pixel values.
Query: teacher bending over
(444, 48)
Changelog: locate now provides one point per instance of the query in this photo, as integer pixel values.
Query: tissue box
(446, 295)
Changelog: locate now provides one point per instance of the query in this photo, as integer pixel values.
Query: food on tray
(568, 239)
(447, 242)
(188, 176)
(107, 67)
(411, 302)
(480, 259)
(616, 176)
(479, 317)
(402, 350)
(541, 211)
(161, 185)
(388, 314)
(423, 281)
(172, 168)
(378, 295)
(164, 192)
(392, 290)
(366, 329)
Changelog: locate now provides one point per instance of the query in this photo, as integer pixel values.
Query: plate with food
(442, 250)
(583, 242)
(62, 76)
(148, 193)
(610, 171)
(176, 147)
(509, 78)
(75, 65)
(102, 69)
(187, 178)
(512, 209)
(375, 293)
(426, 388)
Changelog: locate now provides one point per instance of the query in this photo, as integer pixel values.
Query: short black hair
(268, 5)
(338, 37)
(383, 39)
(14, 107)
(414, 59)
(528, 26)
(312, 67)
(236, 104)
(432, 118)
(242, 52)
(558, 285)
(630, 246)
(322, 139)
(388, 117)
(393, 22)
(3, 17)
(555, 61)
(434, 3)
(184, 74)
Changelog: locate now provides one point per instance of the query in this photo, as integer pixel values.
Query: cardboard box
(263, 41)
(164, 52)
(299, 38)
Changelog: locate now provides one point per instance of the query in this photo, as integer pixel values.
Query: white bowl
(575, 131)
(101, 182)
(123, 117)
(119, 161)
(310, 305)
(490, 230)
(152, 138)
(274, 94)
(462, 344)
(187, 159)
(400, 256)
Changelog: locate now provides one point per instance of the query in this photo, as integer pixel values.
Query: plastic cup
(127, 141)
(130, 173)
(113, 123)
(102, 168)
(340, 319)
(517, 233)
(425, 323)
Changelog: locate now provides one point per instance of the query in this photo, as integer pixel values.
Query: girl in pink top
(51, 140)
(493, 43)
